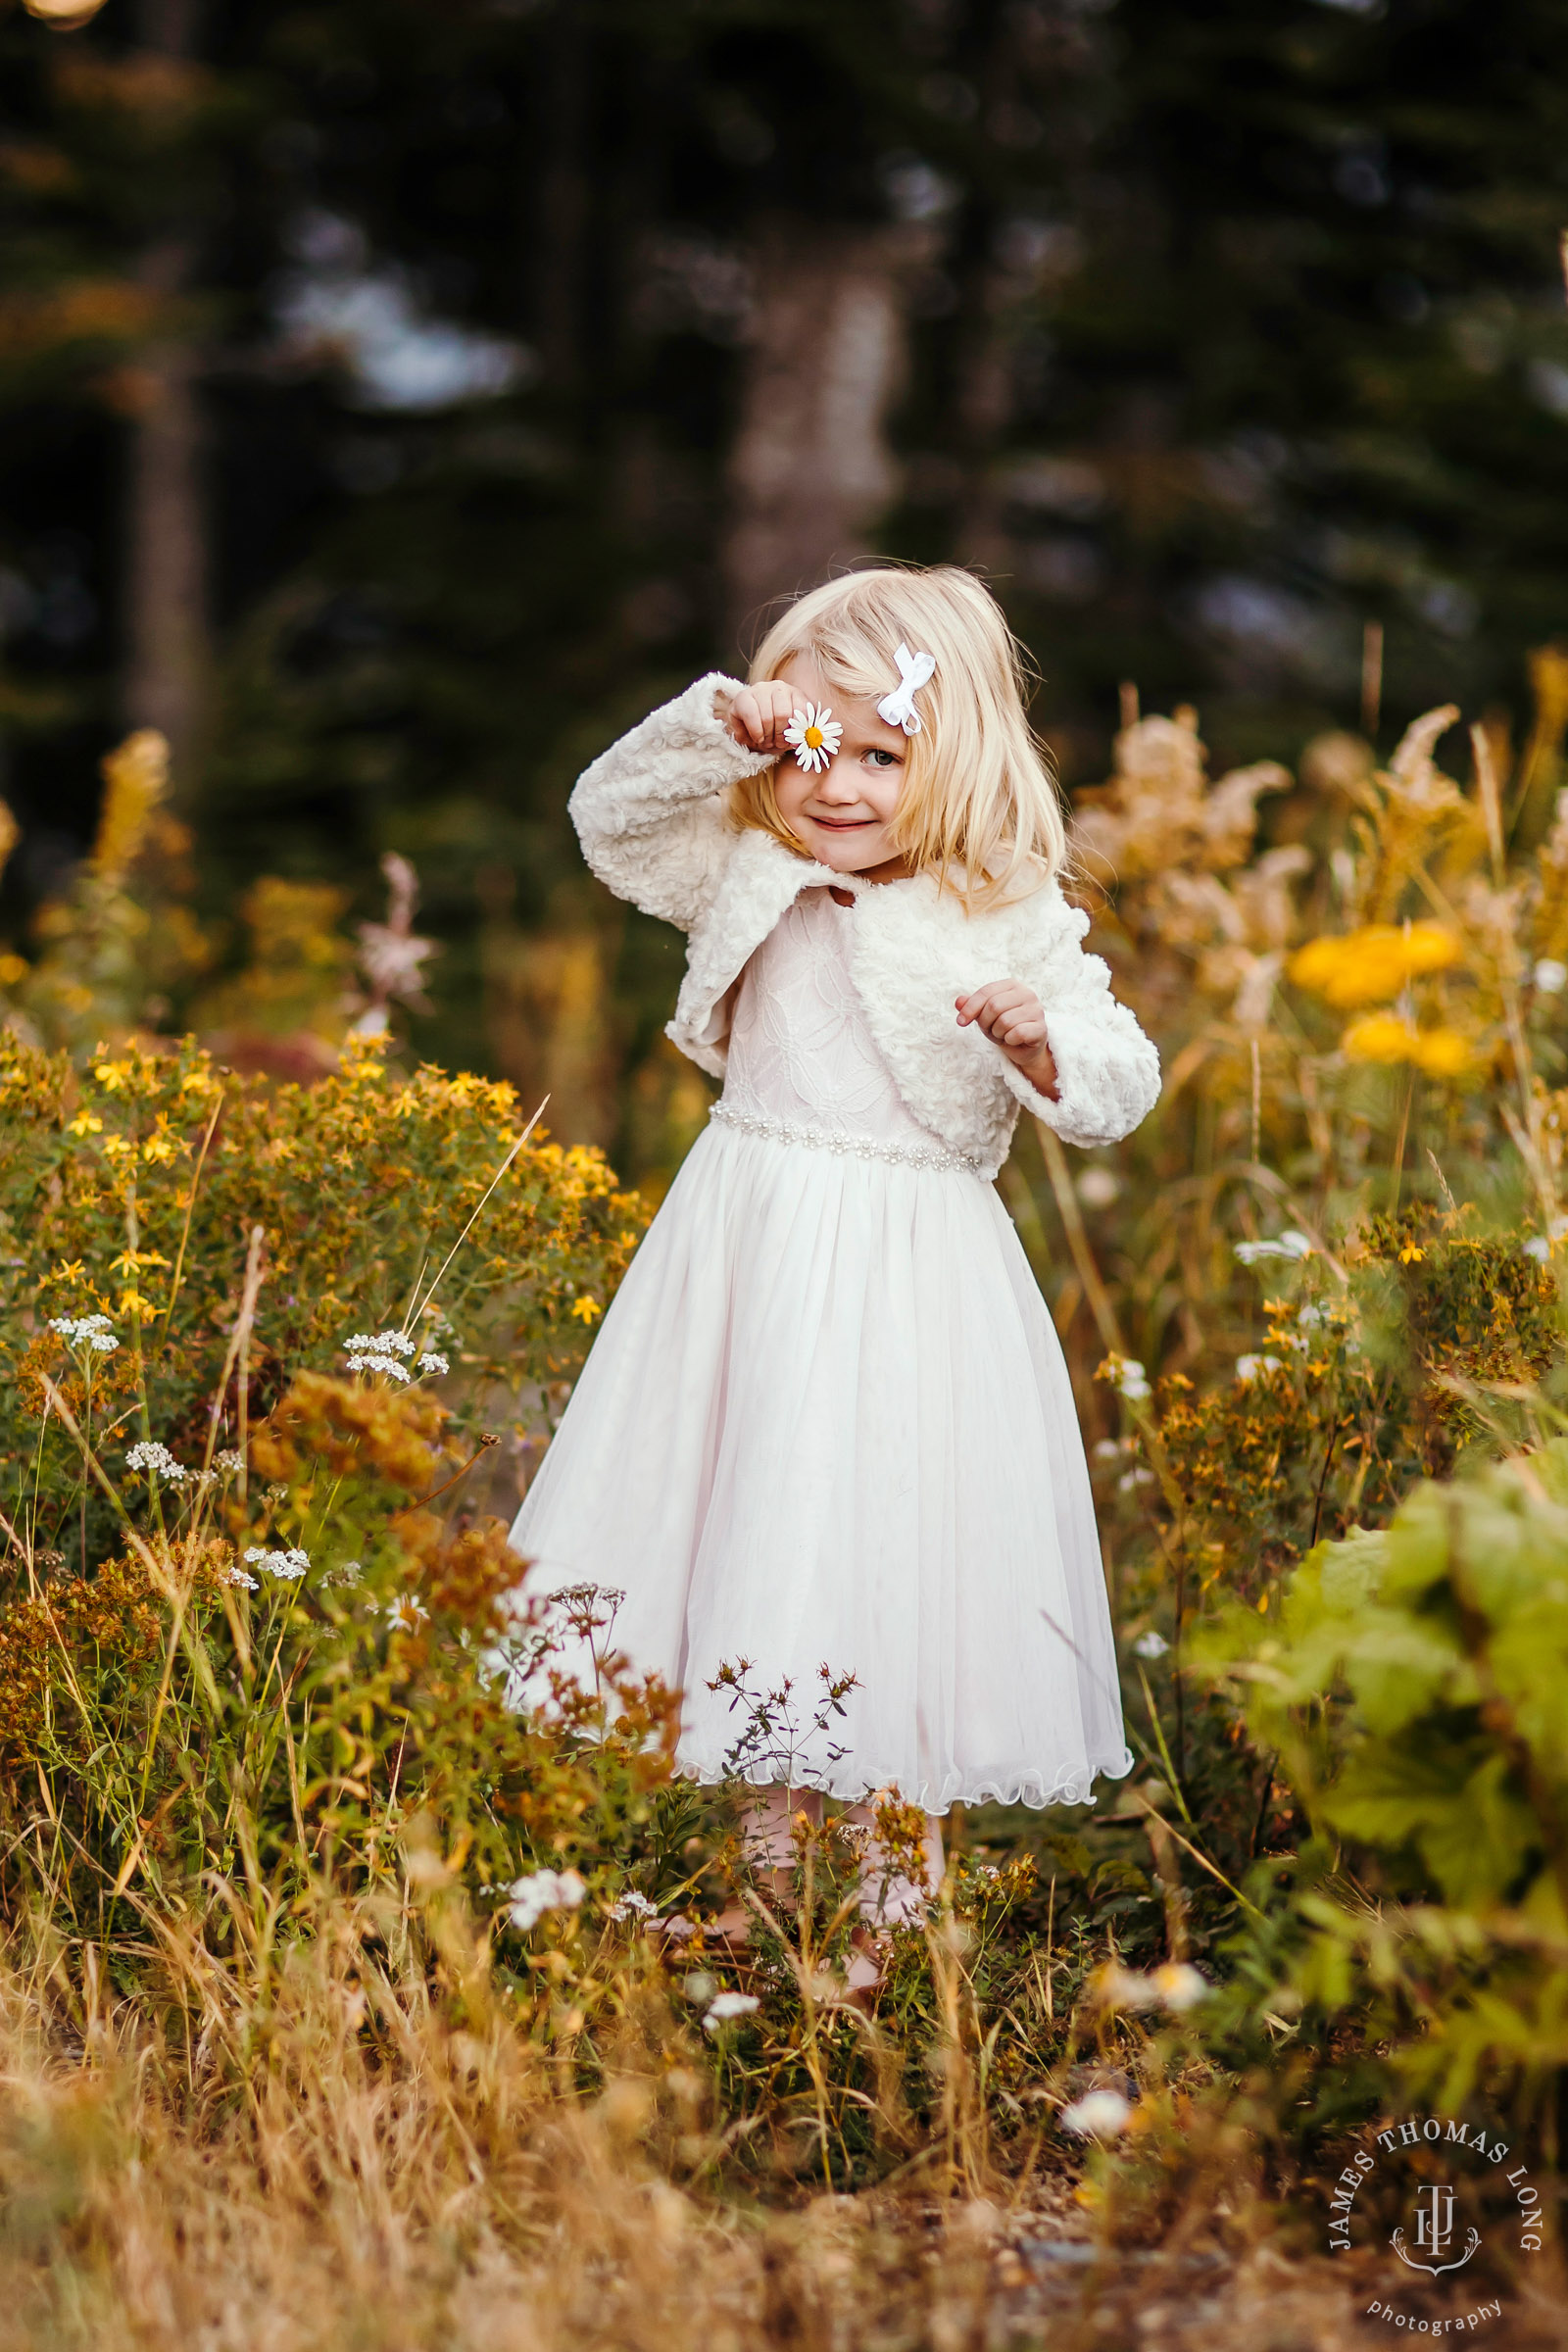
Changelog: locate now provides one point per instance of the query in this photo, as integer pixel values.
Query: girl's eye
(881, 758)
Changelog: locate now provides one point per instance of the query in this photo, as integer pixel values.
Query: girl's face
(843, 812)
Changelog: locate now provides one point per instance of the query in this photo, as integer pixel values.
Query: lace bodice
(802, 1062)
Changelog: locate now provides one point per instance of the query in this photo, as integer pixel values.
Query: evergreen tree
(1229, 332)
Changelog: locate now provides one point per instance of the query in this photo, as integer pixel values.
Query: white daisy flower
(1098, 2115)
(726, 2006)
(1181, 1987)
(541, 1891)
(1250, 1367)
(816, 735)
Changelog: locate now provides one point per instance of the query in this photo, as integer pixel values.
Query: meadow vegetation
(333, 2005)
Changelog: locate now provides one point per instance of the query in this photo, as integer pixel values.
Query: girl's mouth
(843, 825)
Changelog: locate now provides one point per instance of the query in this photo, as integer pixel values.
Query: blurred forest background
(402, 396)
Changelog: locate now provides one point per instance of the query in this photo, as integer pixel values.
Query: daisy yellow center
(813, 738)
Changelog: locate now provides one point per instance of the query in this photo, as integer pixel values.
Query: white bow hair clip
(914, 671)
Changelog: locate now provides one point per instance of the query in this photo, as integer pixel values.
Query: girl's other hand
(759, 714)
(1014, 1018)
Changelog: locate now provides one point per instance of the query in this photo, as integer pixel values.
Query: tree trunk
(167, 644)
(811, 471)
(563, 198)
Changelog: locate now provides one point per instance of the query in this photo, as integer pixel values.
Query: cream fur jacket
(652, 818)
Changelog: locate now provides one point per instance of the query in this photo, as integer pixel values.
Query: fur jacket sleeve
(650, 812)
(653, 819)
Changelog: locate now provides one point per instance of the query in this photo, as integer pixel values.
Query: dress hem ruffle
(854, 1788)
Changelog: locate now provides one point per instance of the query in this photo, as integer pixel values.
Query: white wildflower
(238, 1576)
(1131, 1480)
(1117, 1987)
(1289, 1244)
(1127, 1377)
(289, 1565)
(407, 1613)
(1098, 1187)
(148, 1455)
(1181, 1987)
(1250, 1367)
(431, 1361)
(541, 1891)
(1098, 2115)
(228, 1463)
(378, 1351)
(1108, 1450)
(728, 2005)
(1550, 976)
(632, 1905)
(1150, 1646)
(86, 1331)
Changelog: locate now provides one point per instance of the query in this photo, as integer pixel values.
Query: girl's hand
(1014, 1018)
(759, 714)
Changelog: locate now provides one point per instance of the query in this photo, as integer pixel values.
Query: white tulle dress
(828, 1420)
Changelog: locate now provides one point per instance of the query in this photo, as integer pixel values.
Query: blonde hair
(978, 806)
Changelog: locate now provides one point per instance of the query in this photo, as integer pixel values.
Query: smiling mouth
(843, 825)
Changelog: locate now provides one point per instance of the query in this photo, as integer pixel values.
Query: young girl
(827, 1419)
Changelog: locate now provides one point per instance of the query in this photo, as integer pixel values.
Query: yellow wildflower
(85, 1124)
(1411, 1255)
(1370, 965)
(1442, 1052)
(117, 1147)
(112, 1076)
(586, 1310)
(132, 1262)
(1381, 1037)
(134, 1305)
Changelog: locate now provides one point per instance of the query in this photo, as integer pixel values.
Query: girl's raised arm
(650, 812)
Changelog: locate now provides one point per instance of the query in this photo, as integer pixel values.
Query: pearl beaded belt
(859, 1146)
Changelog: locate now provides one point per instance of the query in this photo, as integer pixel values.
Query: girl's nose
(837, 782)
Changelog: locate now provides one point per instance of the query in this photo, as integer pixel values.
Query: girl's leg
(768, 1831)
(766, 1827)
(889, 1898)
